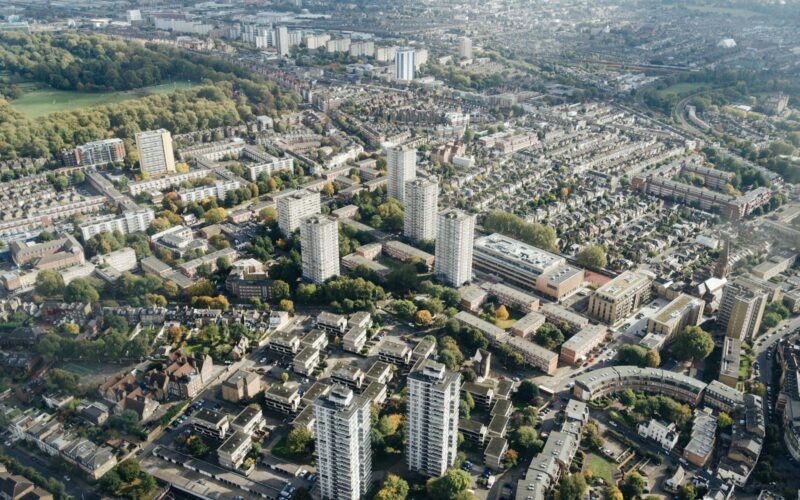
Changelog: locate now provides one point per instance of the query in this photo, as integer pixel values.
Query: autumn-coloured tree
(501, 313)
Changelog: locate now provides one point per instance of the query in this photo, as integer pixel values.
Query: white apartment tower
(465, 47)
(432, 427)
(282, 40)
(404, 64)
(295, 207)
(421, 209)
(402, 165)
(155, 152)
(344, 457)
(319, 246)
(454, 240)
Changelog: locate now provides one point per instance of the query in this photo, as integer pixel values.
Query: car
(67, 478)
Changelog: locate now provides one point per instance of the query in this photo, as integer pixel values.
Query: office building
(526, 266)
(295, 207)
(155, 152)
(344, 456)
(741, 310)
(282, 40)
(404, 64)
(421, 209)
(620, 297)
(683, 311)
(402, 165)
(465, 47)
(454, 241)
(319, 237)
(432, 420)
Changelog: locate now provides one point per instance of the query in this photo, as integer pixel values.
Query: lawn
(683, 88)
(41, 102)
(600, 467)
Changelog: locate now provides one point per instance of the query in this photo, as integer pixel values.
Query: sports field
(41, 102)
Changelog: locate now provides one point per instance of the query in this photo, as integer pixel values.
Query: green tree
(592, 256)
(627, 397)
(299, 441)
(394, 488)
(526, 392)
(693, 343)
(80, 290)
(49, 283)
(572, 487)
(633, 485)
(454, 484)
(280, 290)
(525, 438)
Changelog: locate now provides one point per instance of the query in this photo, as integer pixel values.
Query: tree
(299, 440)
(215, 215)
(280, 290)
(512, 458)
(652, 359)
(49, 283)
(687, 492)
(328, 190)
(527, 392)
(630, 354)
(501, 313)
(286, 305)
(572, 487)
(452, 485)
(394, 488)
(404, 308)
(389, 424)
(64, 380)
(633, 485)
(693, 343)
(613, 493)
(549, 336)
(268, 215)
(724, 420)
(423, 317)
(80, 290)
(511, 225)
(525, 438)
(592, 256)
(627, 397)
(284, 377)
(592, 435)
(128, 470)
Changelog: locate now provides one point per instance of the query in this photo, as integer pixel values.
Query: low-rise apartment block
(620, 297)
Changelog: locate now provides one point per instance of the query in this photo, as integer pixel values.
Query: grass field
(41, 102)
(600, 467)
(682, 89)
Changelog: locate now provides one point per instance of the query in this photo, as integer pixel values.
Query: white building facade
(344, 457)
(421, 209)
(432, 427)
(454, 245)
(319, 237)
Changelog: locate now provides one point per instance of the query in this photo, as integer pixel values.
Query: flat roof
(505, 248)
(623, 284)
(676, 308)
